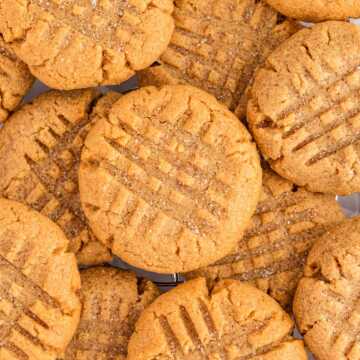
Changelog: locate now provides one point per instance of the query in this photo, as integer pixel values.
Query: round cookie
(217, 45)
(15, 80)
(318, 10)
(230, 321)
(304, 108)
(273, 251)
(169, 179)
(112, 302)
(326, 304)
(39, 159)
(82, 44)
(39, 284)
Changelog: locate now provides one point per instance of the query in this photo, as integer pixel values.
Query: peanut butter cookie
(15, 80)
(317, 10)
(112, 302)
(273, 251)
(39, 282)
(217, 45)
(39, 159)
(169, 179)
(231, 321)
(73, 44)
(304, 109)
(326, 304)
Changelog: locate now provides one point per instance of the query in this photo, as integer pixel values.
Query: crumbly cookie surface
(304, 108)
(217, 45)
(15, 80)
(169, 179)
(231, 321)
(326, 304)
(39, 284)
(273, 251)
(112, 302)
(40, 149)
(317, 10)
(83, 43)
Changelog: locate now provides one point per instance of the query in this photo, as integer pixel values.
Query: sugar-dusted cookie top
(112, 302)
(232, 320)
(169, 179)
(304, 108)
(318, 10)
(40, 149)
(73, 44)
(326, 304)
(217, 46)
(39, 285)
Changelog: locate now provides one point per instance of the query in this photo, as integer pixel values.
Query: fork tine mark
(192, 332)
(171, 339)
(185, 216)
(151, 167)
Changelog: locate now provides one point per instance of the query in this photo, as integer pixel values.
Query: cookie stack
(223, 166)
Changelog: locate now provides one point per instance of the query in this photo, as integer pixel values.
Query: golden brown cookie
(15, 80)
(272, 253)
(326, 304)
(39, 159)
(304, 109)
(170, 179)
(230, 321)
(73, 44)
(318, 10)
(217, 45)
(39, 284)
(112, 302)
